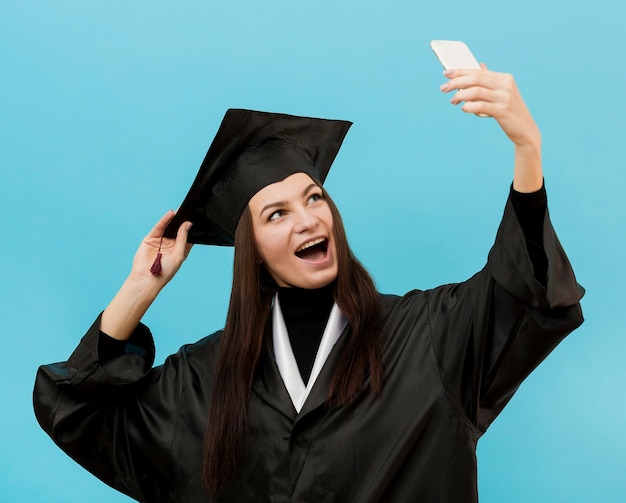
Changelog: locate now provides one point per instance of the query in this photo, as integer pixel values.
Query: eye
(314, 197)
(275, 215)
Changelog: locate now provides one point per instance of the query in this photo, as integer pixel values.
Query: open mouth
(313, 250)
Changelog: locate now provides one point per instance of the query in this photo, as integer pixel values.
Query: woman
(319, 388)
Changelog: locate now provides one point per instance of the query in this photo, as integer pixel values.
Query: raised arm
(140, 289)
(106, 406)
(496, 94)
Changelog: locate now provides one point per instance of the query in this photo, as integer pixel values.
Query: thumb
(182, 247)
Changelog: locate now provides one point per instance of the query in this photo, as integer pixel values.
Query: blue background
(107, 109)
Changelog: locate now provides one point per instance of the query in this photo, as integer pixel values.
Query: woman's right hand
(173, 252)
(141, 287)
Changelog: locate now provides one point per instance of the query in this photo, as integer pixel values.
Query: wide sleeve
(112, 413)
(491, 331)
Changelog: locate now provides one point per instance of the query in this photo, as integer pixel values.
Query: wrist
(531, 140)
(528, 173)
(126, 309)
(143, 286)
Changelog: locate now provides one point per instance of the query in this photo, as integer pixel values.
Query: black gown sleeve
(112, 413)
(530, 209)
(491, 331)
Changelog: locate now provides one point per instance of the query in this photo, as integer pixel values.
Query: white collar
(285, 360)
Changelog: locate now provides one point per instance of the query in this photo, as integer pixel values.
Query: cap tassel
(156, 268)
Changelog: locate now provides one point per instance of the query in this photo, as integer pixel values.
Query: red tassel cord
(156, 268)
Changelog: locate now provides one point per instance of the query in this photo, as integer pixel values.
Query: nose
(306, 220)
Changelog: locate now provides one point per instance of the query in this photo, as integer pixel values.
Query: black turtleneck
(306, 314)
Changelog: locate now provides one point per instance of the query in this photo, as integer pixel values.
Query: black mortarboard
(250, 151)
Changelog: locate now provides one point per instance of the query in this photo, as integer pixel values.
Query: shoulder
(392, 302)
(388, 302)
(198, 358)
(422, 303)
(393, 306)
(205, 348)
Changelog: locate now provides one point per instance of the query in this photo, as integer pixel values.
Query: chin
(318, 284)
(309, 283)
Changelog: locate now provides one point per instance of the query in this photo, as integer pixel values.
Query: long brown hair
(242, 341)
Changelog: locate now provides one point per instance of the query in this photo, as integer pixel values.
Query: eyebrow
(279, 204)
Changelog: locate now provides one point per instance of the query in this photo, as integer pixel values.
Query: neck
(302, 304)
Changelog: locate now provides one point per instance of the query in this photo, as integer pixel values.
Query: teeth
(310, 243)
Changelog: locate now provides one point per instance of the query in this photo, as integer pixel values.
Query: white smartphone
(454, 54)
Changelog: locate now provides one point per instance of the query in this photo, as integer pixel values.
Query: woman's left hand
(494, 94)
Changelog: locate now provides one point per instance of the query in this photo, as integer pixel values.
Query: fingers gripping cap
(250, 151)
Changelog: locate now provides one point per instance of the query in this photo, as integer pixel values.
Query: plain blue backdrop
(107, 109)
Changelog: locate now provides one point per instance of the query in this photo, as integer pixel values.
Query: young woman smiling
(293, 231)
(319, 388)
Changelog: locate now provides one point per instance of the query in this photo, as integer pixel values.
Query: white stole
(285, 360)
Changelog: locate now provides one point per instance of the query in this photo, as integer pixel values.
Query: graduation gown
(453, 358)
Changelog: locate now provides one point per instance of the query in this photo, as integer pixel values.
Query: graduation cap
(250, 151)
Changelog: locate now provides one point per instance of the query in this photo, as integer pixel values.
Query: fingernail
(447, 72)
(443, 87)
(189, 224)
